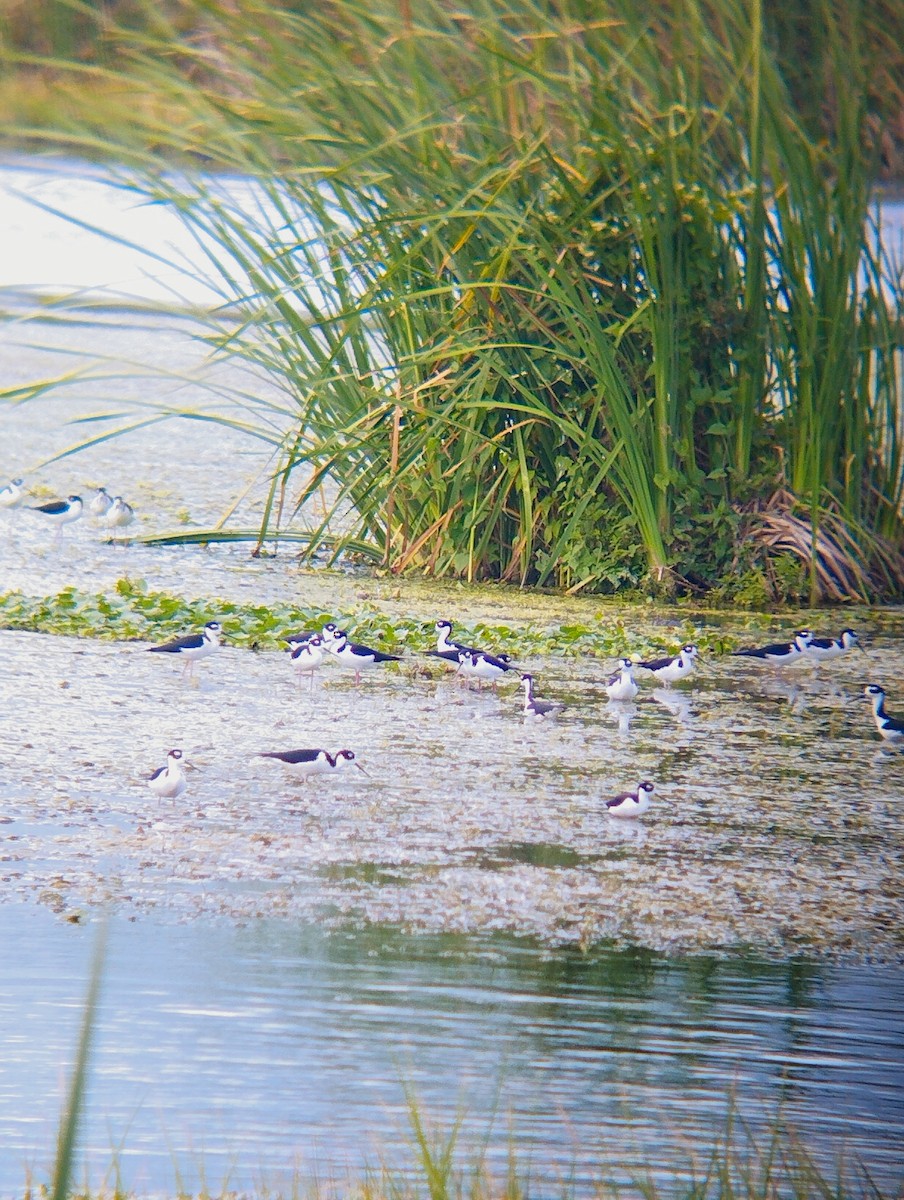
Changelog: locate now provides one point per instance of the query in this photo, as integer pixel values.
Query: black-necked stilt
(890, 728)
(119, 514)
(13, 495)
(60, 512)
(670, 670)
(779, 654)
(821, 649)
(534, 707)
(306, 763)
(307, 657)
(446, 649)
(475, 664)
(622, 685)
(169, 781)
(305, 635)
(193, 646)
(355, 656)
(101, 503)
(631, 804)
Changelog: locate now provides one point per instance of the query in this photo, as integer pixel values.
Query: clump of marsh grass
(547, 296)
(739, 1165)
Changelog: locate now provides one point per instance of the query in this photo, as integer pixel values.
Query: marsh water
(270, 1051)
(464, 924)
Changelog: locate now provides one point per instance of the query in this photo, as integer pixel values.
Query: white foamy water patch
(71, 228)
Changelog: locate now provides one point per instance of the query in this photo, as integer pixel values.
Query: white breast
(624, 688)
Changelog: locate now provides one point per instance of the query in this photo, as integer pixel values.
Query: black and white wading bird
(890, 728)
(356, 657)
(119, 514)
(306, 635)
(307, 657)
(622, 685)
(469, 662)
(169, 781)
(670, 670)
(305, 763)
(13, 495)
(446, 649)
(631, 804)
(192, 647)
(821, 649)
(779, 654)
(59, 512)
(100, 503)
(534, 707)
(489, 668)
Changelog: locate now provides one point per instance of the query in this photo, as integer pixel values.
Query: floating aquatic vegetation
(134, 611)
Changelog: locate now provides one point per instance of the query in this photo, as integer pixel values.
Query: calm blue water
(242, 1055)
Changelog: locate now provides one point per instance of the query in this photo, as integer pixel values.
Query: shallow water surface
(250, 1053)
(775, 824)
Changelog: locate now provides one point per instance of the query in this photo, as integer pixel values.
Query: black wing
(823, 643)
(502, 663)
(156, 774)
(619, 799)
(191, 641)
(451, 655)
(656, 664)
(298, 639)
(291, 756)
(763, 651)
(460, 648)
(53, 507)
(297, 649)
(377, 655)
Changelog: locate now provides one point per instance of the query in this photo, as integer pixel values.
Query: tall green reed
(67, 1135)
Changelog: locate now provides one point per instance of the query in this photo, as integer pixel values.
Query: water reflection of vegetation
(730, 1160)
(537, 854)
(523, 964)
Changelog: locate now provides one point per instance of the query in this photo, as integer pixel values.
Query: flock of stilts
(112, 512)
(311, 648)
